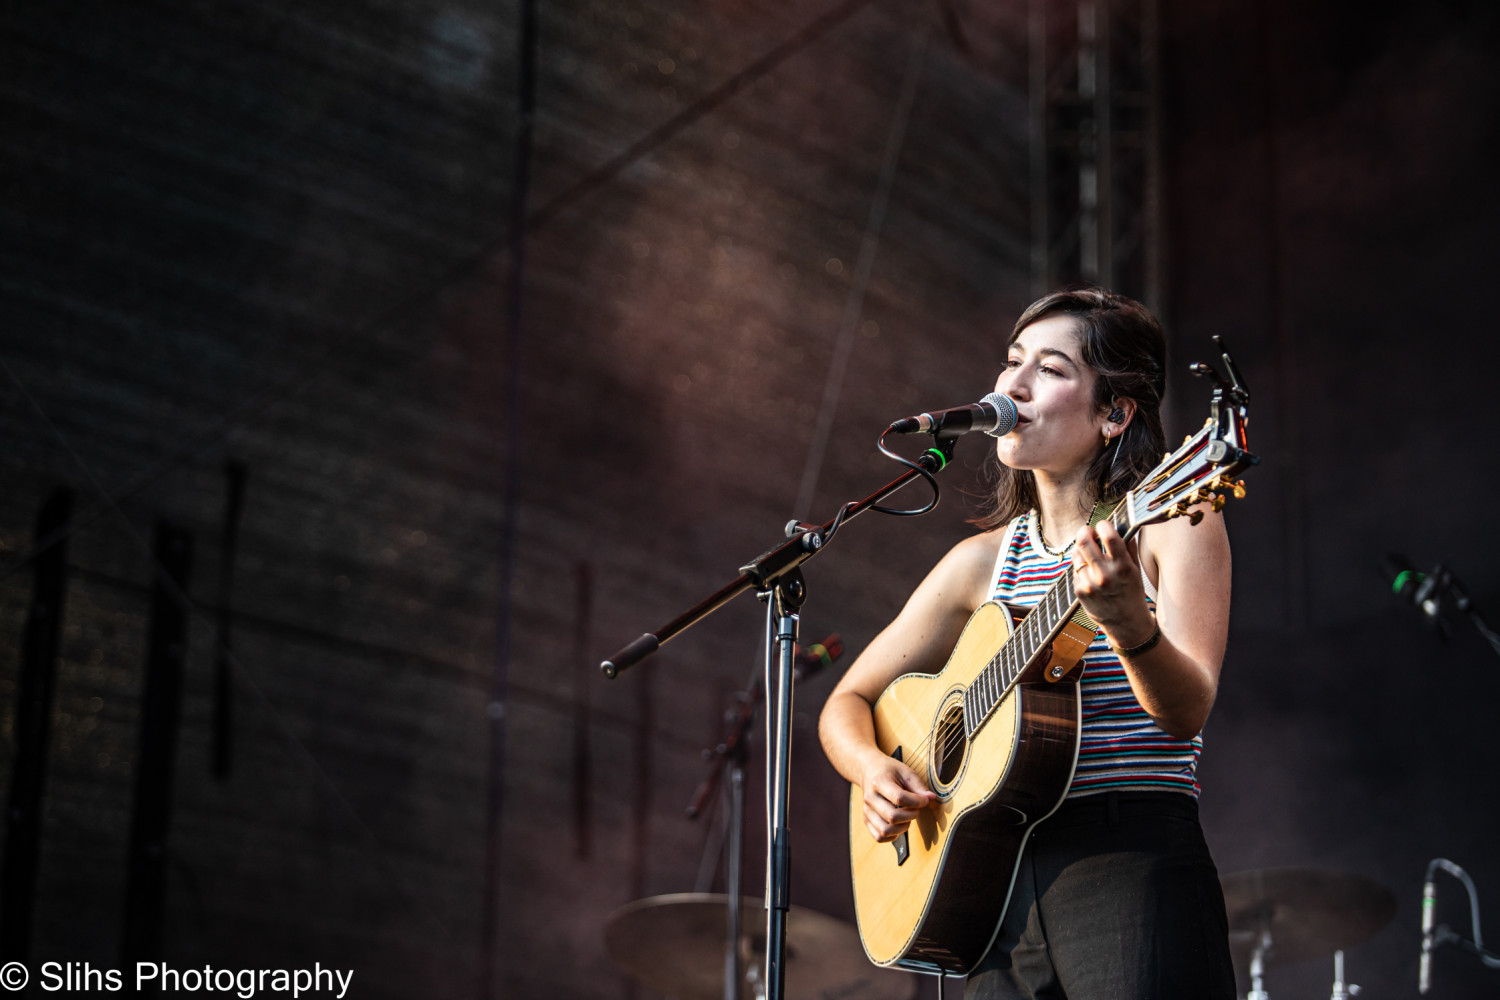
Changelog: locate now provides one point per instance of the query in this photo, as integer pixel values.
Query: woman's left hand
(1107, 580)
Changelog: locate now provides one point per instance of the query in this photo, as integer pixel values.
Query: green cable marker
(1403, 576)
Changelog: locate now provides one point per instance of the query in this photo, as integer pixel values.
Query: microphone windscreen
(1005, 407)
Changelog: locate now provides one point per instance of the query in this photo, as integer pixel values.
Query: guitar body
(939, 907)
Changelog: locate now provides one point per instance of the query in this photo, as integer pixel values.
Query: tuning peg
(1195, 517)
(1205, 493)
(1223, 482)
(1218, 503)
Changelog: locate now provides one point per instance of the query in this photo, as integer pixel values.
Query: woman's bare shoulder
(969, 565)
(1182, 543)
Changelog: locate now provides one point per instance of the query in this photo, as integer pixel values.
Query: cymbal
(1310, 912)
(675, 945)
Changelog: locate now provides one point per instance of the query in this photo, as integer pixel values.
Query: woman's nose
(1014, 384)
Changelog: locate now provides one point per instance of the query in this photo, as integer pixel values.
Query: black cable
(852, 505)
(923, 472)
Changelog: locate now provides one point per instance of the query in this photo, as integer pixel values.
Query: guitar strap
(1102, 510)
(1074, 639)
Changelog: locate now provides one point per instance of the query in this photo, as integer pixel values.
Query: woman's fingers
(892, 799)
(1102, 560)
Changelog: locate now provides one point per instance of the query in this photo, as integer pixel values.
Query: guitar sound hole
(950, 744)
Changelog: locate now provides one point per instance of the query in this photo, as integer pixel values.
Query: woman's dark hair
(1123, 344)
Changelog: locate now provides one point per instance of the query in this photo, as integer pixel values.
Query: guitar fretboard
(1034, 634)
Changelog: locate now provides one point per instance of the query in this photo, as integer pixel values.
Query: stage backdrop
(443, 409)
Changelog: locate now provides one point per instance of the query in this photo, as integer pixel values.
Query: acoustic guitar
(996, 732)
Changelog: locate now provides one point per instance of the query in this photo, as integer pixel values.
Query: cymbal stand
(734, 961)
(1341, 991)
(732, 754)
(1258, 967)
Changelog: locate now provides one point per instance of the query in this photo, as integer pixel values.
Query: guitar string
(1027, 626)
(958, 734)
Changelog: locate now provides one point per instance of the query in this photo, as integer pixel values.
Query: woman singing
(1116, 896)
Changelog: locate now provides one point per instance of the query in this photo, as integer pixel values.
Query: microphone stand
(1448, 583)
(1428, 591)
(776, 578)
(1442, 934)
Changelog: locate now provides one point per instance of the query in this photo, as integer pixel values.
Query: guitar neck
(1035, 633)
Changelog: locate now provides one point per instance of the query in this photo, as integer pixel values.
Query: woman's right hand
(918, 641)
(894, 795)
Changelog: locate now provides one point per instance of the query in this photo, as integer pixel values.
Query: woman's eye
(1013, 362)
(1050, 370)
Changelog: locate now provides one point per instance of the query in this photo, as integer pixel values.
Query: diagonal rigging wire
(315, 366)
(690, 114)
(854, 304)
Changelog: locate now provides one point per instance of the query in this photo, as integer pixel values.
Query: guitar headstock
(1204, 468)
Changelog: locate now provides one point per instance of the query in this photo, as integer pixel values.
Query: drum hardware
(1258, 967)
(675, 945)
(1278, 916)
(1340, 990)
(732, 754)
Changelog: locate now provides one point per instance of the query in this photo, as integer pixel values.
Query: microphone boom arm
(770, 567)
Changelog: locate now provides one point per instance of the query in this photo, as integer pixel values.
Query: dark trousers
(1116, 898)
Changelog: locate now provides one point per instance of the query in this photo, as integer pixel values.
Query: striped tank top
(1121, 748)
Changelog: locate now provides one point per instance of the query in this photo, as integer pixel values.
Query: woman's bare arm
(919, 640)
(1177, 679)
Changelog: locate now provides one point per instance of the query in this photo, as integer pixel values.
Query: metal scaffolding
(1095, 94)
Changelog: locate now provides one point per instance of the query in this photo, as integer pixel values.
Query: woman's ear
(1121, 415)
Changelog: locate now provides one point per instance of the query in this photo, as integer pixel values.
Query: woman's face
(1059, 427)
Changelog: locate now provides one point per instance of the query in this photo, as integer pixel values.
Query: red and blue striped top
(1121, 747)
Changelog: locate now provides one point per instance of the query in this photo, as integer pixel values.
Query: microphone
(995, 414)
(810, 660)
(1424, 590)
(1409, 584)
(1424, 970)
